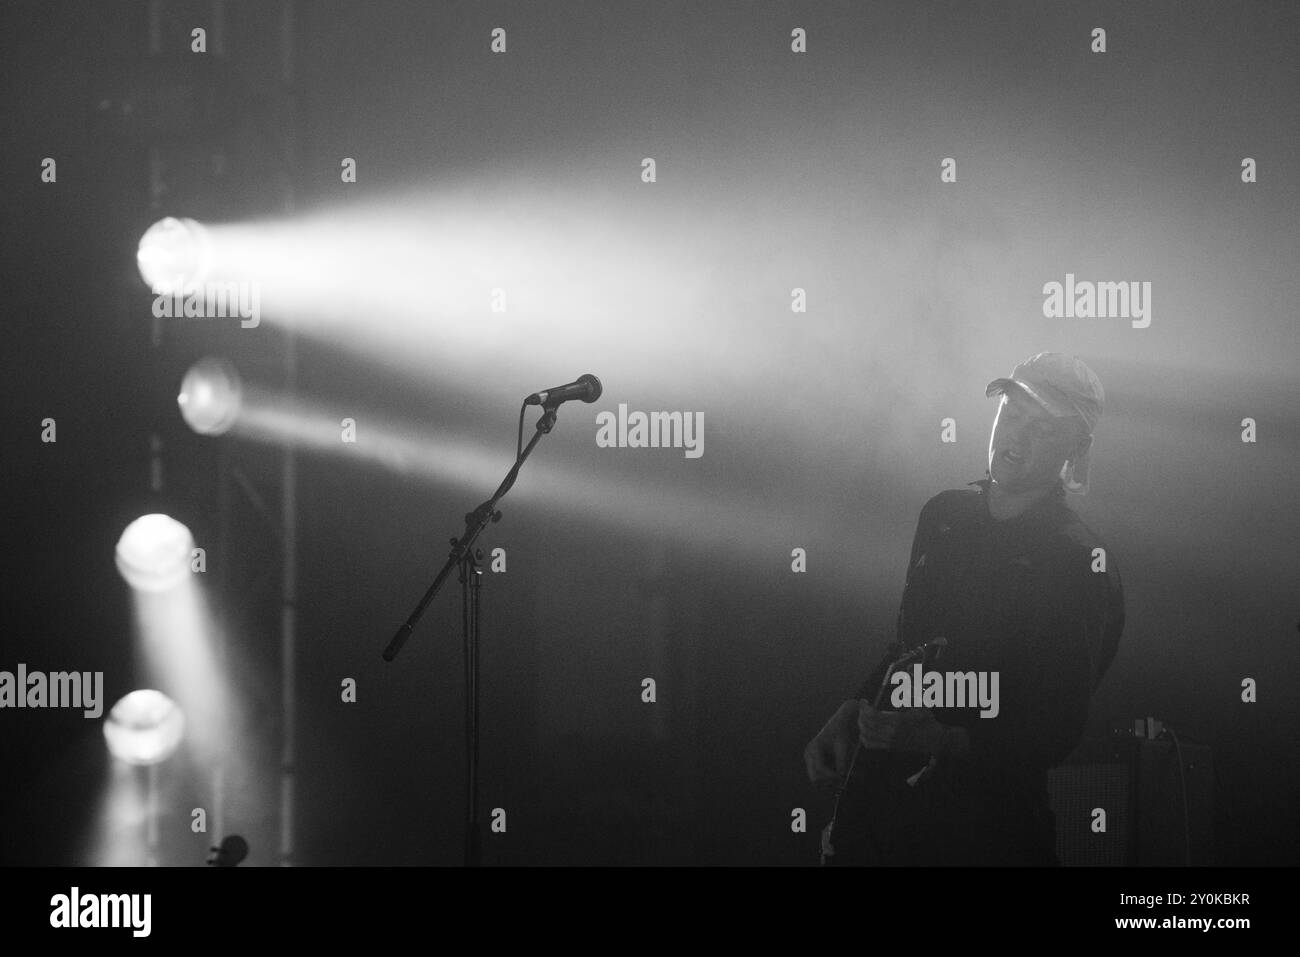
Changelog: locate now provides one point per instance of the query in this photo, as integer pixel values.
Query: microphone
(587, 388)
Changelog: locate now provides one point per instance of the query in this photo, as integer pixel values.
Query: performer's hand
(827, 755)
(912, 729)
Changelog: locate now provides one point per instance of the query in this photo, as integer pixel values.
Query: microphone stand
(463, 557)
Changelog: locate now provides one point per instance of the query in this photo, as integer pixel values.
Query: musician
(1018, 585)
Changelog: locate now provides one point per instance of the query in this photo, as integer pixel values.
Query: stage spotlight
(173, 254)
(210, 396)
(154, 553)
(144, 728)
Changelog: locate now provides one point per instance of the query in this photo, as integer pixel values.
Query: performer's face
(1028, 445)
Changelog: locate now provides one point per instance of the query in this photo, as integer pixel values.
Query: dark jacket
(1019, 597)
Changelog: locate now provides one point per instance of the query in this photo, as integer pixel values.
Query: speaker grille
(1075, 791)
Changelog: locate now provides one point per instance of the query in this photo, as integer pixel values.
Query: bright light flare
(144, 728)
(153, 553)
(174, 253)
(210, 396)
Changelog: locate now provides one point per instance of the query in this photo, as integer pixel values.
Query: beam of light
(173, 626)
(210, 396)
(176, 633)
(143, 728)
(669, 301)
(153, 553)
(182, 648)
(627, 499)
(119, 837)
(586, 280)
(173, 254)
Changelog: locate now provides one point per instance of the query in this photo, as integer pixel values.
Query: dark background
(821, 429)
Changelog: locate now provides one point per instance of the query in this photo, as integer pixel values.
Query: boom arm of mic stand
(475, 522)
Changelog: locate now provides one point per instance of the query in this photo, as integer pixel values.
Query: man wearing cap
(1015, 584)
